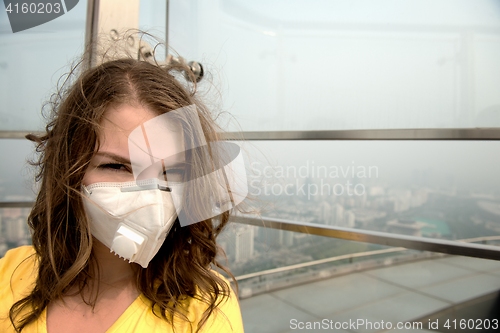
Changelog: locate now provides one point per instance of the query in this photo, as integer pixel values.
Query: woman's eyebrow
(113, 156)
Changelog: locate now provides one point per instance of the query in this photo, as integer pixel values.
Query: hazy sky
(347, 64)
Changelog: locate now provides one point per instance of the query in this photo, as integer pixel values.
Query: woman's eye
(114, 167)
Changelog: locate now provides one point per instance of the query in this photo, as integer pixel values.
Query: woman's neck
(104, 298)
(112, 269)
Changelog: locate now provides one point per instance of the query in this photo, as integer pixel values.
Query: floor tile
(471, 263)
(267, 314)
(401, 308)
(420, 274)
(330, 296)
(466, 288)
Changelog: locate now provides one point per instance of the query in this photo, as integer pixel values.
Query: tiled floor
(399, 293)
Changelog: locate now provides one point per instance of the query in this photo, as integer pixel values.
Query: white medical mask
(133, 218)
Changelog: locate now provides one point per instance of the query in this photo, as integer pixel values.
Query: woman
(93, 181)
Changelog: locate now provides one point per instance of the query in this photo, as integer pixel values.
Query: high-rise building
(349, 219)
(237, 241)
(337, 214)
(15, 230)
(325, 213)
(244, 243)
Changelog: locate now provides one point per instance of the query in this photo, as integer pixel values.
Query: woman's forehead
(124, 124)
(126, 117)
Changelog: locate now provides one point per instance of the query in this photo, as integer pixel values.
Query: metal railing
(16, 204)
(318, 262)
(455, 247)
(370, 134)
(464, 247)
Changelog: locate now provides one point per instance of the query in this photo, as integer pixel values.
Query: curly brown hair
(61, 233)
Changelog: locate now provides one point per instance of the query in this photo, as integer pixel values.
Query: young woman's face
(112, 162)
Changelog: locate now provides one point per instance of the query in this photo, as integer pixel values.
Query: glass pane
(325, 65)
(31, 63)
(153, 16)
(16, 176)
(152, 19)
(16, 185)
(438, 189)
(14, 229)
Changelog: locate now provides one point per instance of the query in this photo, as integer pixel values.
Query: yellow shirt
(17, 278)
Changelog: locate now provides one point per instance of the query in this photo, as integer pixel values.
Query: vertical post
(166, 29)
(89, 30)
(105, 18)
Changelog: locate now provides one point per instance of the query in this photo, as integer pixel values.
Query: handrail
(343, 257)
(17, 134)
(16, 204)
(354, 134)
(376, 237)
(371, 134)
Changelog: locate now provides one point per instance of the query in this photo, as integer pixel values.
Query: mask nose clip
(86, 191)
(164, 188)
(148, 184)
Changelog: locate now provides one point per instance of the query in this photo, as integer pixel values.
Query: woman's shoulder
(20, 251)
(227, 315)
(14, 257)
(18, 270)
(226, 318)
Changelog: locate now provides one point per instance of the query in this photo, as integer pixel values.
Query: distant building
(15, 230)
(406, 227)
(376, 191)
(325, 213)
(349, 219)
(269, 237)
(244, 243)
(274, 238)
(237, 241)
(338, 214)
